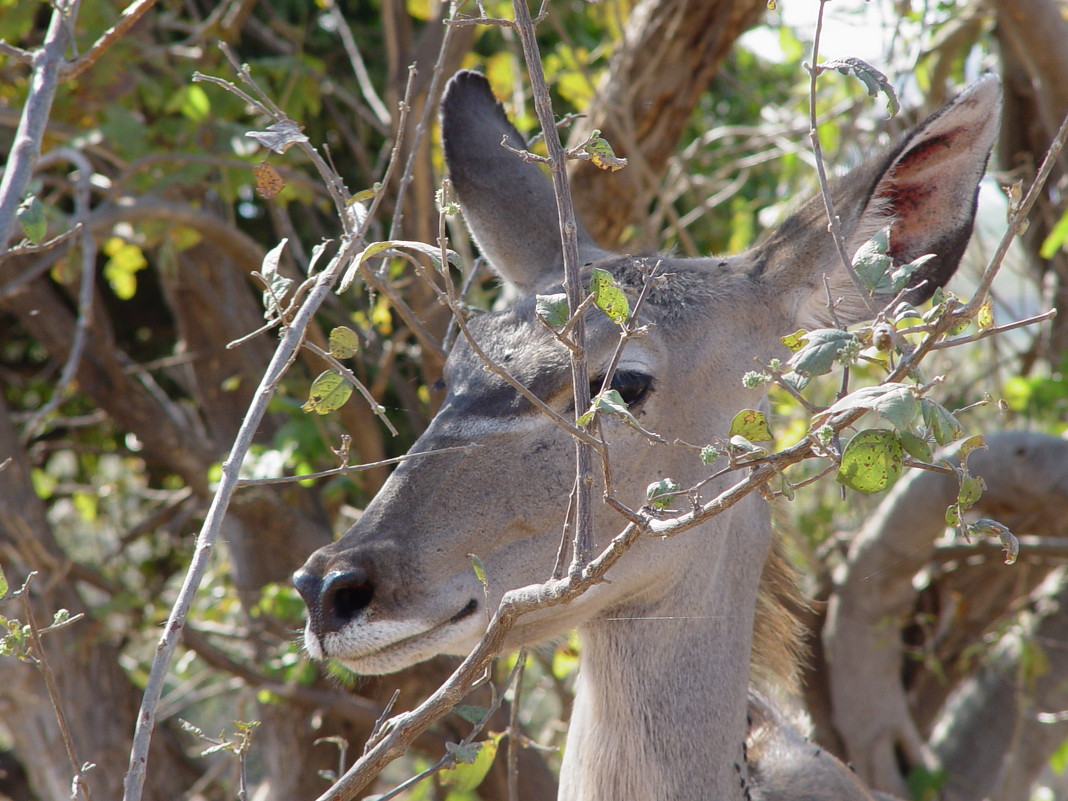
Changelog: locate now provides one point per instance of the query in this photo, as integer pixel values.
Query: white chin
(378, 649)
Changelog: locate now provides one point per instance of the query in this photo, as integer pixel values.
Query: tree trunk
(670, 51)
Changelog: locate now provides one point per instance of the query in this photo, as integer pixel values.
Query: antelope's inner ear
(925, 189)
(508, 203)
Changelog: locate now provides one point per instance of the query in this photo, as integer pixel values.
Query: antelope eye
(632, 386)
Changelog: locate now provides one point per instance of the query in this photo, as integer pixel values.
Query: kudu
(663, 705)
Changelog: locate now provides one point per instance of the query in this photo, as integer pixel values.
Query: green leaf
(343, 342)
(480, 570)
(611, 402)
(821, 348)
(470, 713)
(953, 515)
(553, 309)
(463, 753)
(872, 461)
(871, 261)
(328, 393)
(193, 103)
(3, 582)
(709, 454)
(873, 80)
(795, 341)
(945, 428)
(916, 447)
(1058, 762)
(475, 761)
(602, 155)
(608, 297)
(661, 493)
(1056, 239)
(971, 489)
(31, 217)
(752, 425)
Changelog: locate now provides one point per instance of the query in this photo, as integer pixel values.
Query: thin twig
(85, 290)
(1018, 221)
(129, 17)
(834, 223)
(40, 661)
(584, 447)
(354, 468)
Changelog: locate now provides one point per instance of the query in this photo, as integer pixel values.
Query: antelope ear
(925, 189)
(508, 203)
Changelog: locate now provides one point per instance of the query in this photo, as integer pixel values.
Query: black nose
(334, 599)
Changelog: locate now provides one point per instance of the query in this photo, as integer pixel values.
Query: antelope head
(399, 587)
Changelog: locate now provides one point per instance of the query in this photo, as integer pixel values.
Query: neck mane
(660, 705)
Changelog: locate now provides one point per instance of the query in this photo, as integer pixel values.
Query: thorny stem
(834, 223)
(583, 547)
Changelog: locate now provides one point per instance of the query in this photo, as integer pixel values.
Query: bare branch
(26, 147)
(129, 17)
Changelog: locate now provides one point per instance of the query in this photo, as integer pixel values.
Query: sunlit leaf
(601, 154)
(752, 425)
(328, 393)
(474, 762)
(984, 318)
(125, 260)
(796, 340)
(894, 401)
(31, 218)
(872, 461)
(608, 297)
(1058, 238)
(343, 342)
(480, 570)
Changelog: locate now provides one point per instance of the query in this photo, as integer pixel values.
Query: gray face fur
(399, 587)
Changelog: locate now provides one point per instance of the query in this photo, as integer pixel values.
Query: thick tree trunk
(1033, 35)
(671, 50)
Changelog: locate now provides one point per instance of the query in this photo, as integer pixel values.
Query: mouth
(374, 647)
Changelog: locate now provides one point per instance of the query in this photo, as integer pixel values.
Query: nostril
(309, 586)
(344, 596)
